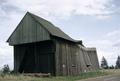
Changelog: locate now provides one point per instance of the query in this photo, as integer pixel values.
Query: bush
(111, 67)
(6, 69)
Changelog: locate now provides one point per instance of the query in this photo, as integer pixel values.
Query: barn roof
(53, 30)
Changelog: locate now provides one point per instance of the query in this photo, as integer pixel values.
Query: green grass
(19, 77)
(111, 71)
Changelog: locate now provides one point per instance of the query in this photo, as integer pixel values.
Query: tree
(118, 63)
(111, 67)
(6, 69)
(104, 63)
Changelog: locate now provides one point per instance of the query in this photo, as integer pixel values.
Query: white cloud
(113, 33)
(108, 46)
(64, 8)
(114, 37)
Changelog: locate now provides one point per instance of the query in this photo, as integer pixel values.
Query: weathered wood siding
(73, 59)
(85, 60)
(62, 58)
(70, 58)
(65, 58)
(28, 31)
(92, 53)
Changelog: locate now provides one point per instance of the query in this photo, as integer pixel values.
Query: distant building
(41, 47)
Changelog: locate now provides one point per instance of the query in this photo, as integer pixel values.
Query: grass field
(20, 77)
(111, 71)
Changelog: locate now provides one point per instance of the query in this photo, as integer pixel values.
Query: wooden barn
(41, 47)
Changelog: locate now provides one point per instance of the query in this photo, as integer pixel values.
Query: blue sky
(96, 22)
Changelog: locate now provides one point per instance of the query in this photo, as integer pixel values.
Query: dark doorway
(28, 62)
(46, 63)
(38, 58)
(46, 57)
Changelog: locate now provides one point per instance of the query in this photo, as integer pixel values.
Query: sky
(95, 22)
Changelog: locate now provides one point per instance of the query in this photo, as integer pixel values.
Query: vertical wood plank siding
(94, 59)
(28, 31)
(69, 58)
(72, 59)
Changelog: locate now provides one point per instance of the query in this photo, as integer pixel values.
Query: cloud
(108, 46)
(62, 8)
(116, 4)
(114, 37)
(7, 10)
(2, 1)
(113, 33)
(117, 44)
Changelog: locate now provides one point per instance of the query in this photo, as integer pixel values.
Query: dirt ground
(112, 77)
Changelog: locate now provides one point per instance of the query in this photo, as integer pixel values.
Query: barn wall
(28, 31)
(86, 63)
(90, 58)
(70, 58)
(92, 53)
(65, 59)
(73, 59)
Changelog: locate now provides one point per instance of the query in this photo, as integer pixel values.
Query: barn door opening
(46, 63)
(38, 58)
(28, 60)
(46, 57)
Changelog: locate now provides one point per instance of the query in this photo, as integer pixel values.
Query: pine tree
(104, 63)
(118, 63)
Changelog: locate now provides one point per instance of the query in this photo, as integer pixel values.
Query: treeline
(104, 64)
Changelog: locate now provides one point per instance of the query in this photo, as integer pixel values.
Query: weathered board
(71, 59)
(28, 31)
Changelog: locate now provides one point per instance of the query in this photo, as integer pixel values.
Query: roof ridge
(40, 18)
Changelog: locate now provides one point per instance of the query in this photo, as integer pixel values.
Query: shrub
(6, 69)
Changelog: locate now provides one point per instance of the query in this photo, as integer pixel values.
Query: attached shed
(41, 47)
(92, 53)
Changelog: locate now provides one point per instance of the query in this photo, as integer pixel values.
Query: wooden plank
(28, 31)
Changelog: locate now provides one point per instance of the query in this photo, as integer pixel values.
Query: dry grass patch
(20, 77)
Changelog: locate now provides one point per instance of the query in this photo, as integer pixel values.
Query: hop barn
(41, 47)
